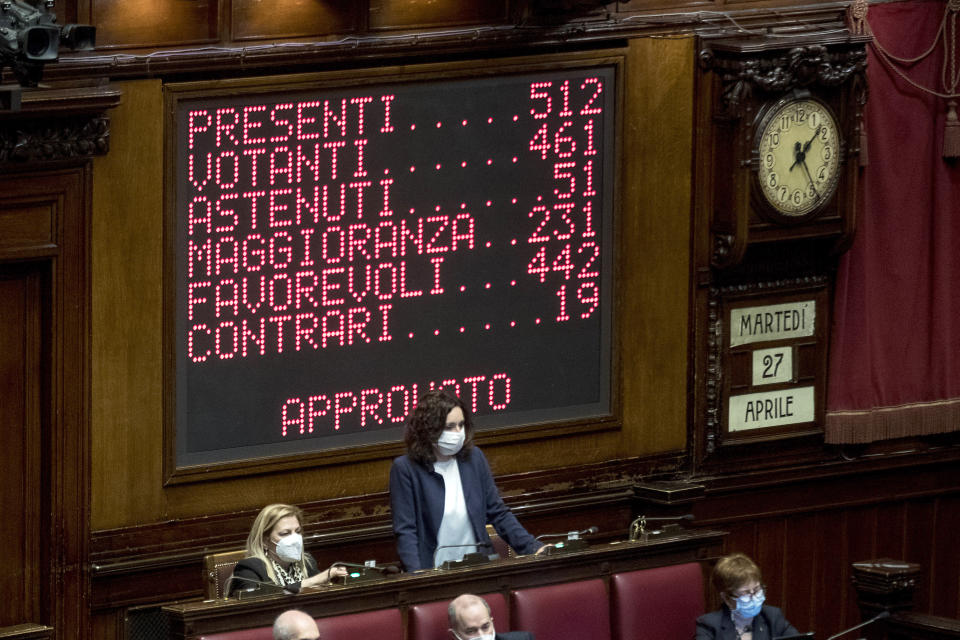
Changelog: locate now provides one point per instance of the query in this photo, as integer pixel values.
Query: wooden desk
(907, 625)
(192, 619)
(27, 631)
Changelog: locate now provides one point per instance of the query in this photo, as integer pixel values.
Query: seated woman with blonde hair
(275, 554)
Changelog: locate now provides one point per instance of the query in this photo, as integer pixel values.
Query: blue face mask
(749, 606)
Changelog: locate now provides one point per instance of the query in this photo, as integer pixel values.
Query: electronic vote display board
(340, 250)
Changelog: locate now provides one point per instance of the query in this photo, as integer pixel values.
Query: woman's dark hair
(427, 422)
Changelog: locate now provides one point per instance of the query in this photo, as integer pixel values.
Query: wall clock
(798, 147)
(776, 164)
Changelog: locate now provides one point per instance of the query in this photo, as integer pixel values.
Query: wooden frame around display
(177, 473)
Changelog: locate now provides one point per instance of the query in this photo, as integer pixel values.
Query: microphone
(382, 568)
(570, 535)
(883, 614)
(572, 541)
(638, 528)
(468, 559)
(258, 585)
(364, 572)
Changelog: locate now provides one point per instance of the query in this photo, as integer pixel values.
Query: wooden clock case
(749, 260)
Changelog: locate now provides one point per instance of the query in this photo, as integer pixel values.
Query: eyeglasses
(746, 596)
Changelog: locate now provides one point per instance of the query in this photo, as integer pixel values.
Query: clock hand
(803, 162)
(806, 146)
(798, 155)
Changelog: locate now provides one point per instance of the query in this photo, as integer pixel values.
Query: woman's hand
(542, 550)
(335, 571)
(324, 577)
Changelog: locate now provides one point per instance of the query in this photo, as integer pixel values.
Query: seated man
(470, 619)
(295, 625)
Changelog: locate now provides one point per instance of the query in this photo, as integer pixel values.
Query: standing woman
(275, 553)
(442, 492)
(743, 614)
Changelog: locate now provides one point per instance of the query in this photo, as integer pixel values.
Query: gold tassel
(856, 16)
(951, 132)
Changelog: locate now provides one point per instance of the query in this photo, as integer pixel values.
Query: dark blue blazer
(417, 496)
(513, 635)
(768, 624)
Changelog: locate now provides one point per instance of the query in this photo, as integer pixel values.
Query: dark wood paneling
(829, 596)
(861, 532)
(806, 531)
(26, 227)
(253, 19)
(944, 567)
(890, 530)
(153, 23)
(51, 403)
(919, 533)
(20, 474)
(386, 14)
(164, 561)
(69, 464)
(44, 205)
(799, 543)
(108, 626)
(771, 546)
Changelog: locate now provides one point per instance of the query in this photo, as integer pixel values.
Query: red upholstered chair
(260, 633)
(385, 624)
(569, 611)
(429, 621)
(657, 604)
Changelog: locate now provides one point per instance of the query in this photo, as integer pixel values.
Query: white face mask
(450, 442)
(290, 548)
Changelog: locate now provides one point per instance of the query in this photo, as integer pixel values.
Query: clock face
(799, 152)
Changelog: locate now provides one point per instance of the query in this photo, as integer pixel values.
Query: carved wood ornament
(57, 124)
(775, 112)
(745, 80)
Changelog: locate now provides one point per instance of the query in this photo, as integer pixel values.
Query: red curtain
(895, 347)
